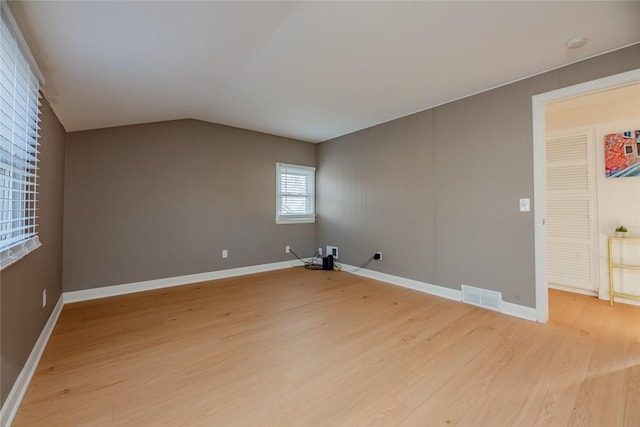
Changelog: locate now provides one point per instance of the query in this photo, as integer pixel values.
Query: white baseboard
(440, 291)
(11, 405)
(574, 290)
(427, 288)
(521, 311)
(620, 300)
(147, 285)
(508, 308)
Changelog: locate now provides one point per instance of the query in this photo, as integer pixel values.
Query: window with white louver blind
(295, 186)
(19, 116)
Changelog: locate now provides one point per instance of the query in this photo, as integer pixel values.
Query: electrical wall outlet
(44, 298)
(225, 253)
(287, 249)
(378, 256)
(320, 251)
(332, 250)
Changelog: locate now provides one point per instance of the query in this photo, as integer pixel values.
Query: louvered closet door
(571, 212)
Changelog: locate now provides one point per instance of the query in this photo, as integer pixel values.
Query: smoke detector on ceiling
(575, 42)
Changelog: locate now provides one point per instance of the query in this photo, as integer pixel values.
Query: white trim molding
(147, 285)
(619, 300)
(573, 290)
(15, 253)
(521, 311)
(508, 308)
(427, 288)
(539, 194)
(11, 405)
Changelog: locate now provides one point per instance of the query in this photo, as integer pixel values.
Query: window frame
(310, 173)
(19, 141)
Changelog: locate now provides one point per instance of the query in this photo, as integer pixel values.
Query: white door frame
(539, 193)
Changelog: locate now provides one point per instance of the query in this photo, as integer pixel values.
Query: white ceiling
(306, 70)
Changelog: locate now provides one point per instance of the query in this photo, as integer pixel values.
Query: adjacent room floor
(312, 348)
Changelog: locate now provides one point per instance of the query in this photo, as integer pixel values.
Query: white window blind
(296, 194)
(19, 117)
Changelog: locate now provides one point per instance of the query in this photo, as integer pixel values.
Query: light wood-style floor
(312, 348)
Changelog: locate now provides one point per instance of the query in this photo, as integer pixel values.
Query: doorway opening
(539, 103)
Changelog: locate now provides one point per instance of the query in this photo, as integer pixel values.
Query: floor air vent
(482, 297)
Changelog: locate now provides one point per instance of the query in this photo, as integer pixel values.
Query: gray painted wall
(438, 191)
(21, 284)
(163, 199)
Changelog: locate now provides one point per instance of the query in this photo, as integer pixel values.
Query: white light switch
(524, 205)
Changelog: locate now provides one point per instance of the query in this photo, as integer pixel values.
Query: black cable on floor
(311, 264)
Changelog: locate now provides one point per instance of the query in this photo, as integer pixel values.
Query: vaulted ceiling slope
(306, 70)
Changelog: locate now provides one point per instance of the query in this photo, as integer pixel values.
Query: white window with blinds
(19, 116)
(296, 188)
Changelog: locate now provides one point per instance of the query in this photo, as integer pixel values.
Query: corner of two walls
(375, 193)
(22, 283)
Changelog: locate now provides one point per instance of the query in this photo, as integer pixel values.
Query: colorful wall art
(622, 154)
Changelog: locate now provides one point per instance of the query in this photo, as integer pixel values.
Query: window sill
(18, 251)
(296, 221)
